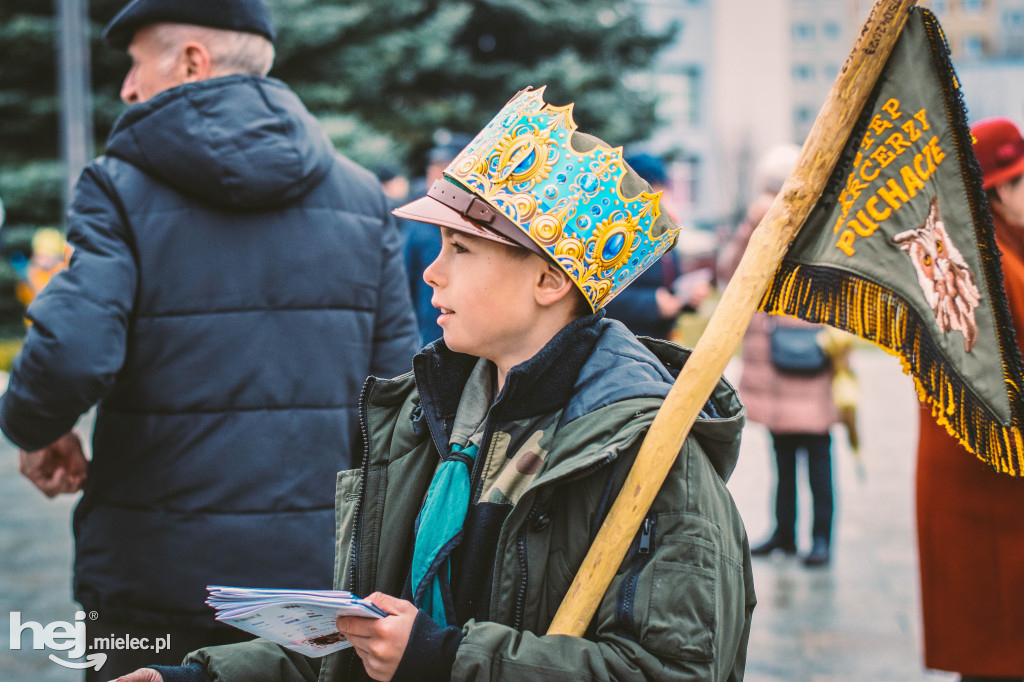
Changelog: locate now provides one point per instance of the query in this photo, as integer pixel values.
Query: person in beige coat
(797, 409)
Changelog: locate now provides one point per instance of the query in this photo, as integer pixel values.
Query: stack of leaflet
(302, 620)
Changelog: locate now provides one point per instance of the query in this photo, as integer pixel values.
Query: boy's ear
(553, 285)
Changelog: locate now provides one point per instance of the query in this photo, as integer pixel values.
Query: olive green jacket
(679, 607)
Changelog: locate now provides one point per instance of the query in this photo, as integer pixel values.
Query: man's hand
(700, 292)
(379, 642)
(141, 675)
(60, 467)
(668, 305)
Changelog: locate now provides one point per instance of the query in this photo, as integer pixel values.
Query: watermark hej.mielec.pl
(70, 637)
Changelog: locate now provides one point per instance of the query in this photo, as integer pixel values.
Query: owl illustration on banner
(943, 274)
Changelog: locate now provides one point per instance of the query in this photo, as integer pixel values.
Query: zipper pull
(645, 535)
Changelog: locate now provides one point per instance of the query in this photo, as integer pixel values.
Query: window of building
(680, 101)
(802, 32)
(1013, 19)
(939, 6)
(832, 30)
(803, 116)
(685, 174)
(972, 6)
(803, 73)
(973, 46)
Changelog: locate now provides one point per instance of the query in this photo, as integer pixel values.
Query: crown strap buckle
(466, 203)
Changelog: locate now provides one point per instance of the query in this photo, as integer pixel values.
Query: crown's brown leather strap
(476, 209)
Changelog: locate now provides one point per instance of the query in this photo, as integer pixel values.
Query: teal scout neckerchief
(440, 521)
(438, 529)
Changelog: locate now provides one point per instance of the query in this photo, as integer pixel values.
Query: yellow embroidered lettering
(911, 181)
(879, 125)
(892, 107)
(868, 227)
(937, 152)
(893, 194)
(864, 174)
(872, 208)
(912, 130)
(847, 204)
(883, 155)
(929, 167)
(845, 243)
(920, 116)
(854, 188)
(897, 142)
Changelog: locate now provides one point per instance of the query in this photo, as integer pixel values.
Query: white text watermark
(71, 637)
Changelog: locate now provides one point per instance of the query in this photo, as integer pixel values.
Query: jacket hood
(623, 367)
(240, 142)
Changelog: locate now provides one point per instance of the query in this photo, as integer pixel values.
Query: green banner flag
(900, 251)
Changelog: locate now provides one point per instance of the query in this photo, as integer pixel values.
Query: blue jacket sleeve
(395, 337)
(422, 245)
(76, 344)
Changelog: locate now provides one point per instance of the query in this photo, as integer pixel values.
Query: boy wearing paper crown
(489, 468)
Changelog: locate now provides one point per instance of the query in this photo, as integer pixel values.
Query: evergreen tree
(385, 75)
(382, 76)
(31, 177)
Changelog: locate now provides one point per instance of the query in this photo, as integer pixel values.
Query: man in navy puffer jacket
(233, 283)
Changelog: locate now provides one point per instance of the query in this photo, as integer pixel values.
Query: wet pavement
(857, 620)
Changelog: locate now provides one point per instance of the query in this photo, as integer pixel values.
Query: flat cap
(250, 16)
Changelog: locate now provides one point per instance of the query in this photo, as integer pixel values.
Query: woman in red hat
(969, 518)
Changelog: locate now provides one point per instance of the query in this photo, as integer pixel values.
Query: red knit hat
(999, 148)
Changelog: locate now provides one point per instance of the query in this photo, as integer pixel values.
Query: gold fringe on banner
(876, 314)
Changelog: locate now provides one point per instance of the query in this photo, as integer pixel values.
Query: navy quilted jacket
(232, 285)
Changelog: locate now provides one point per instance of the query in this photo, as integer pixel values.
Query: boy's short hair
(580, 304)
(531, 179)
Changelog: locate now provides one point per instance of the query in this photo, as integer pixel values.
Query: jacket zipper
(365, 467)
(476, 475)
(517, 622)
(519, 612)
(354, 665)
(627, 588)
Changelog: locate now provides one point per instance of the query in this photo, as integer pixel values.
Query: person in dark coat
(231, 287)
(652, 303)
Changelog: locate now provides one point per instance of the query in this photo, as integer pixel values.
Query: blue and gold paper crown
(569, 202)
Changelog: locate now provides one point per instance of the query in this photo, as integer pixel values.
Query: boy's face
(485, 293)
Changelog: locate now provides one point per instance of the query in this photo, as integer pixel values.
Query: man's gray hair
(231, 52)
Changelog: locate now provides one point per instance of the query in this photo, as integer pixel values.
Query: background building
(745, 75)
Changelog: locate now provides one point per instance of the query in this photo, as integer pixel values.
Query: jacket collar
(592, 363)
(541, 385)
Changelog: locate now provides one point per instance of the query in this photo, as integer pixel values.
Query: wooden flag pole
(740, 300)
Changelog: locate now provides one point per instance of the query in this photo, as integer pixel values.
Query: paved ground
(859, 619)
(856, 621)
